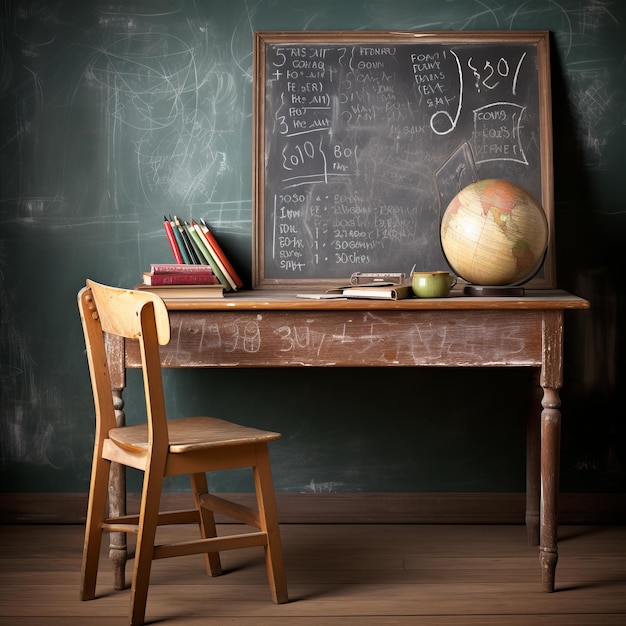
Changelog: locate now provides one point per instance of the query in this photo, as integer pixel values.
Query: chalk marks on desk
(379, 339)
(397, 338)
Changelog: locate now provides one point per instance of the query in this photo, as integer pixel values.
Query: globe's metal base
(493, 292)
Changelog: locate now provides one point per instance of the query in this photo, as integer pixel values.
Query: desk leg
(117, 504)
(551, 382)
(550, 447)
(533, 462)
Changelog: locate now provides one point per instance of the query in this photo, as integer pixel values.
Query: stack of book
(170, 274)
(201, 269)
(173, 281)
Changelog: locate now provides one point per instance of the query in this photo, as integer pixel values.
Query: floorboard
(352, 575)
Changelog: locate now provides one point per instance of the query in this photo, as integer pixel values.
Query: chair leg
(268, 514)
(96, 512)
(148, 522)
(199, 487)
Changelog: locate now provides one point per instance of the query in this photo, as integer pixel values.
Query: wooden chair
(162, 447)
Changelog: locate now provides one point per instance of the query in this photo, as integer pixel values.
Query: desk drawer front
(351, 338)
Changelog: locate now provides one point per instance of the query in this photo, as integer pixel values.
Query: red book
(172, 240)
(184, 278)
(215, 247)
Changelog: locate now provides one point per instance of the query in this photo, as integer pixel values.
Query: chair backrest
(129, 314)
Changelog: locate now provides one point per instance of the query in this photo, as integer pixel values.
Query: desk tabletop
(281, 300)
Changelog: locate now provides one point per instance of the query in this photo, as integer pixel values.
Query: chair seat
(192, 433)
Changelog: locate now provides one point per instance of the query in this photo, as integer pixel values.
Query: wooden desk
(277, 329)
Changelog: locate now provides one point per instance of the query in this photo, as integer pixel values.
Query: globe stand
(490, 292)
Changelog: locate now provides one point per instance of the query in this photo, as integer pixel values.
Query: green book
(193, 233)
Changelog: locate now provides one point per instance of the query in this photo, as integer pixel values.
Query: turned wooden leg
(550, 454)
(533, 463)
(551, 382)
(117, 504)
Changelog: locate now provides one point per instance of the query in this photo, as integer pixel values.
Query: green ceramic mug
(432, 284)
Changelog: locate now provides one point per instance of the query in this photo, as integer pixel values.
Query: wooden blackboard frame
(542, 127)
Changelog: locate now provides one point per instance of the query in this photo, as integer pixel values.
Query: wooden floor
(357, 575)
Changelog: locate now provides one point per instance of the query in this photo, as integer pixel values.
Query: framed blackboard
(362, 138)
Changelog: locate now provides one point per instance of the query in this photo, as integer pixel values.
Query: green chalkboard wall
(113, 114)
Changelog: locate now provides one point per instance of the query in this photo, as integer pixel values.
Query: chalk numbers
(296, 156)
(491, 73)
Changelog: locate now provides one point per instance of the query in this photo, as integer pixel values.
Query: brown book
(184, 292)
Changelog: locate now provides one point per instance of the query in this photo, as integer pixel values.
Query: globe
(494, 232)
